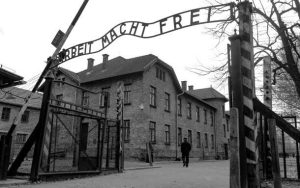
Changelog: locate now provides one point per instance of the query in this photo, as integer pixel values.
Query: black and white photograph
(150, 94)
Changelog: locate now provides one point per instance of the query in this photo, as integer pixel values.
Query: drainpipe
(176, 123)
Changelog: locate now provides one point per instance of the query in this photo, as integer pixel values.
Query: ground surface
(201, 174)
(205, 174)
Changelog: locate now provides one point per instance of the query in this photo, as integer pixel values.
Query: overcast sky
(28, 27)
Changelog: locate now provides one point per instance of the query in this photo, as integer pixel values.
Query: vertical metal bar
(55, 142)
(262, 149)
(229, 77)
(234, 149)
(98, 145)
(237, 102)
(268, 157)
(107, 145)
(117, 149)
(50, 144)
(297, 150)
(37, 156)
(248, 91)
(2, 157)
(283, 153)
(274, 151)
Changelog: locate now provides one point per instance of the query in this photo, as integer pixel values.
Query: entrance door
(84, 128)
(226, 151)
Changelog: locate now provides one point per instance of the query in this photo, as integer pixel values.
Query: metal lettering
(162, 26)
(105, 40)
(177, 22)
(112, 35)
(134, 27)
(194, 15)
(122, 31)
(80, 49)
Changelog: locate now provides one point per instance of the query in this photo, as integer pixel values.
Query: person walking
(185, 151)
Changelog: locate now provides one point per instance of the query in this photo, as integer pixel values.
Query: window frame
(85, 98)
(126, 130)
(21, 138)
(189, 110)
(153, 96)
(152, 132)
(102, 97)
(179, 106)
(179, 133)
(5, 116)
(190, 136)
(167, 134)
(167, 102)
(212, 141)
(127, 92)
(206, 140)
(197, 113)
(198, 139)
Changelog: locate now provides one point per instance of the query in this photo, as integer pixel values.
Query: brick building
(11, 101)
(156, 108)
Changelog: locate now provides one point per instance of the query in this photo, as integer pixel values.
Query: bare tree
(276, 31)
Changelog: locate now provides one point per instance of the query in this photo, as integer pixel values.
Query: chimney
(90, 63)
(191, 88)
(105, 59)
(183, 85)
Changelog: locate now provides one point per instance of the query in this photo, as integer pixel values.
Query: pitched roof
(208, 93)
(16, 96)
(9, 79)
(199, 99)
(70, 74)
(116, 67)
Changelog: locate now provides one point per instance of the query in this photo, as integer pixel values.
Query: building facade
(157, 109)
(11, 101)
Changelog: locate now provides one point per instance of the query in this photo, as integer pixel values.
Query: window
(5, 114)
(205, 116)
(127, 94)
(198, 113)
(212, 118)
(212, 142)
(206, 140)
(160, 74)
(179, 107)
(179, 136)
(104, 95)
(152, 96)
(21, 138)
(167, 102)
(167, 134)
(189, 110)
(59, 98)
(25, 117)
(152, 128)
(85, 99)
(190, 139)
(126, 130)
(62, 80)
(198, 140)
(224, 127)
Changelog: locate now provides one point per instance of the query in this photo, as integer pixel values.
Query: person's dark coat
(185, 148)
